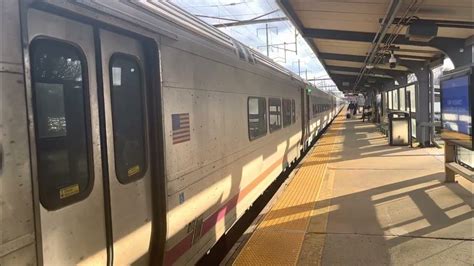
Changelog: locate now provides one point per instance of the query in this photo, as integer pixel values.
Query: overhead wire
(398, 28)
(381, 52)
(391, 38)
(246, 34)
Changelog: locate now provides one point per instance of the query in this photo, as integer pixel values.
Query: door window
(127, 89)
(60, 100)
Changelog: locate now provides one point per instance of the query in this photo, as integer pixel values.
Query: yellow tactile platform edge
(278, 239)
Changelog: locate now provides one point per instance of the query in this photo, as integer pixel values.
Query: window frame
(143, 118)
(281, 115)
(56, 204)
(264, 116)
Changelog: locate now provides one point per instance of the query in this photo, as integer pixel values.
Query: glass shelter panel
(402, 99)
(412, 91)
(395, 99)
(390, 100)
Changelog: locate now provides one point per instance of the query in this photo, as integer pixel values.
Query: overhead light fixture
(393, 60)
(369, 66)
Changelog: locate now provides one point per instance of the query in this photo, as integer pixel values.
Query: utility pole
(266, 34)
(267, 38)
(278, 46)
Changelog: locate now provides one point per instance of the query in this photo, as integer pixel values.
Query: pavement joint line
(392, 235)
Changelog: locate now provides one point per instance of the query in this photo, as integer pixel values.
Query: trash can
(399, 128)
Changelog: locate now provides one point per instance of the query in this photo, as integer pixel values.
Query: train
(133, 133)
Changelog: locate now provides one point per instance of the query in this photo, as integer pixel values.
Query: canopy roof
(348, 35)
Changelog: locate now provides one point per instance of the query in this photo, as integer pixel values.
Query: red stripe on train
(175, 252)
(212, 220)
(184, 245)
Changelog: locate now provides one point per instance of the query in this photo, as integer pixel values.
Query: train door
(90, 141)
(126, 123)
(65, 141)
(304, 116)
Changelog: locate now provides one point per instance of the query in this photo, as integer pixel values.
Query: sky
(224, 11)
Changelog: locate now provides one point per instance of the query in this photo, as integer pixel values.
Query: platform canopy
(354, 40)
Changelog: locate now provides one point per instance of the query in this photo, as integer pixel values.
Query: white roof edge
(185, 20)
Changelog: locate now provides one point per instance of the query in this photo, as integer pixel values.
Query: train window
(62, 132)
(274, 111)
(257, 118)
(240, 51)
(286, 112)
(127, 88)
(293, 111)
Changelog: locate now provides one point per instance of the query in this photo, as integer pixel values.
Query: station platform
(354, 200)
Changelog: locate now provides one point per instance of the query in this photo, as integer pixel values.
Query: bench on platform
(451, 167)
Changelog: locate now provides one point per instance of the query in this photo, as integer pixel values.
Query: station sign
(457, 106)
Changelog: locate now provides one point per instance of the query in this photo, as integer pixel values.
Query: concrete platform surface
(385, 205)
(376, 205)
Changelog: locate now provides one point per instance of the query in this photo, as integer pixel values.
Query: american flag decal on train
(181, 128)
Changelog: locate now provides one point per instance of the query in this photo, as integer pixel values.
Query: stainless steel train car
(133, 133)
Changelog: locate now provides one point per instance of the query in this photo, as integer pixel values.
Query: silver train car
(133, 133)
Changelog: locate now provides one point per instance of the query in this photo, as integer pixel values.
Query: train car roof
(161, 17)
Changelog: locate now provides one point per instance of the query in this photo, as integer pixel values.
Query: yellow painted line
(312, 249)
(279, 237)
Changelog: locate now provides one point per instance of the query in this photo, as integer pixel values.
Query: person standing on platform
(350, 110)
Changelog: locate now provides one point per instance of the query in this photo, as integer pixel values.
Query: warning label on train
(68, 191)
(133, 170)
